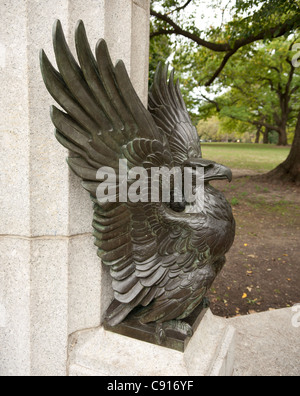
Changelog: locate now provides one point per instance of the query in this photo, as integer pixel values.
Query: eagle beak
(228, 173)
(212, 170)
(218, 172)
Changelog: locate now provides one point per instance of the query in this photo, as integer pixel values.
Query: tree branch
(266, 124)
(295, 89)
(181, 32)
(212, 102)
(180, 8)
(274, 32)
(221, 68)
(291, 76)
(259, 123)
(276, 69)
(270, 82)
(162, 32)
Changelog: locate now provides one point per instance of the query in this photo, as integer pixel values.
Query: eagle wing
(104, 121)
(171, 116)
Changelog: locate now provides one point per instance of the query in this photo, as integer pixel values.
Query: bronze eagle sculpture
(163, 258)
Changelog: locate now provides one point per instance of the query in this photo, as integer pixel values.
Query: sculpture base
(132, 328)
(210, 352)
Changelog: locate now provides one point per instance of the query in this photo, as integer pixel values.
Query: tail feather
(117, 312)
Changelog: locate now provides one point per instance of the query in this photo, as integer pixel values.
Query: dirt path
(263, 267)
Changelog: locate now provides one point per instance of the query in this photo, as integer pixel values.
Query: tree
(252, 23)
(289, 170)
(267, 19)
(264, 89)
(209, 129)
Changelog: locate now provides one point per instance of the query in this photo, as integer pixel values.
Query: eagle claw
(175, 326)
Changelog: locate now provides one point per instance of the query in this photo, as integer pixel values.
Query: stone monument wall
(51, 282)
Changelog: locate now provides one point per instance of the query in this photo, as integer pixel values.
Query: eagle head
(212, 170)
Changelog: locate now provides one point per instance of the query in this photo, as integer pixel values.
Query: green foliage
(248, 17)
(257, 14)
(249, 92)
(209, 129)
(259, 82)
(235, 201)
(160, 50)
(233, 130)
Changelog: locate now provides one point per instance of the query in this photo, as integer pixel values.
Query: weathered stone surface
(267, 344)
(140, 61)
(49, 306)
(51, 281)
(99, 352)
(85, 284)
(14, 139)
(48, 178)
(211, 350)
(15, 307)
(142, 3)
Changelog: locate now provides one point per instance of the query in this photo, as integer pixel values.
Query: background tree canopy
(238, 62)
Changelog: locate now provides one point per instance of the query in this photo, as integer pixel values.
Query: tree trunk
(289, 170)
(283, 140)
(257, 139)
(283, 120)
(266, 136)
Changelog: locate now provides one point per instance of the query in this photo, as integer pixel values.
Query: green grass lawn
(257, 157)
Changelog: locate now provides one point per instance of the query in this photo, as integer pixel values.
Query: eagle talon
(177, 326)
(160, 333)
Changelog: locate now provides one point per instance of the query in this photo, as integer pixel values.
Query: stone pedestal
(268, 344)
(101, 353)
(51, 280)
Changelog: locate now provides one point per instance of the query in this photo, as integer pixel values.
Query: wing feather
(61, 93)
(74, 78)
(107, 75)
(171, 116)
(90, 70)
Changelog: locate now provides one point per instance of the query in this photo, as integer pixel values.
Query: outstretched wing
(171, 116)
(103, 111)
(103, 122)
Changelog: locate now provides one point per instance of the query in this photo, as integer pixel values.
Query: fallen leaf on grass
(244, 296)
